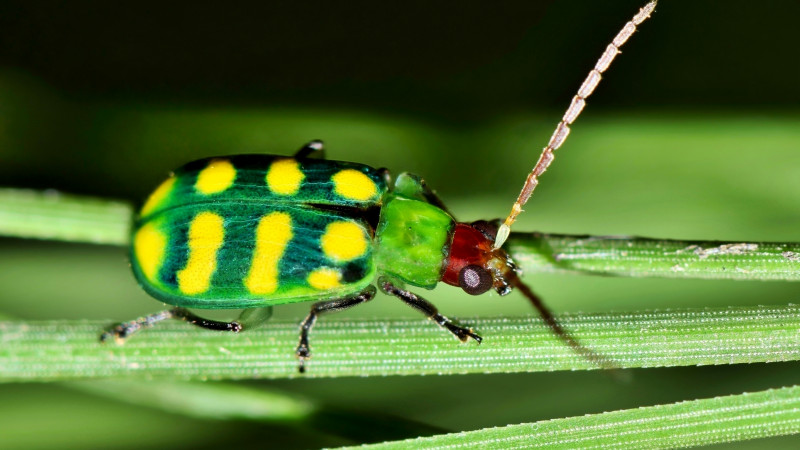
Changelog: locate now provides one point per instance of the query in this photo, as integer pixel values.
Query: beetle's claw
(463, 334)
(474, 336)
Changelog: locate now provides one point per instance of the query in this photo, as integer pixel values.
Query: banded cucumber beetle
(252, 231)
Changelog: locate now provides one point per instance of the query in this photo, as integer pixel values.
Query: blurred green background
(694, 134)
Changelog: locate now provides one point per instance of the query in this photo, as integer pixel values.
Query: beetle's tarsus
(121, 331)
(462, 333)
(106, 335)
(303, 353)
(466, 334)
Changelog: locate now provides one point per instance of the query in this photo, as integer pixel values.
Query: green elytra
(409, 241)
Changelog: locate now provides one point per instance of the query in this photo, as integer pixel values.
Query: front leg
(420, 304)
(303, 350)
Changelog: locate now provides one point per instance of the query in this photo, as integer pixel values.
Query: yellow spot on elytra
(354, 185)
(149, 245)
(344, 241)
(158, 196)
(324, 278)
(273, 234)
(284, 177)
(216, 177)
(206, 233)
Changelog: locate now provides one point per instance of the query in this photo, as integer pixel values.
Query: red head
(473, 263)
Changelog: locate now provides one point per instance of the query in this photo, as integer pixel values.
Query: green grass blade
(642, 257)
(775, 412)
(203, 400)
(55, 216)
(64, 350)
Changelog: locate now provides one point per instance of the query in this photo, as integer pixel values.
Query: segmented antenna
(576, 106)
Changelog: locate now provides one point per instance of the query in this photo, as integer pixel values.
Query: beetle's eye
(474, 280)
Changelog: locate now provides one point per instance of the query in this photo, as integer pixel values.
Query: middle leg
(303, 350)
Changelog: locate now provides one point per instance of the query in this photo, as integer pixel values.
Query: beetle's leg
(413, 186)
(123, 330)
(415, 301)
(314, 149)
(303, 351)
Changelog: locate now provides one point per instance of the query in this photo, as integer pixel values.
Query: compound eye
(474, 280)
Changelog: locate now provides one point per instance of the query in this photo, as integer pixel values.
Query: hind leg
(122, 331)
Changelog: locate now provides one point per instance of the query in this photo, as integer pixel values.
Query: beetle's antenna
(550, 320)
(576, 106)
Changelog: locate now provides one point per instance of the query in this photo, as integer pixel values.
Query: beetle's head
(473, 263)
(476, 266)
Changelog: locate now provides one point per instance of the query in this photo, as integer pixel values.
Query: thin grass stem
(68, 350)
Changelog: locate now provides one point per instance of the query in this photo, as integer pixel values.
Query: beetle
(252, 231)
